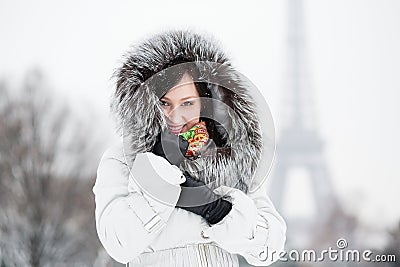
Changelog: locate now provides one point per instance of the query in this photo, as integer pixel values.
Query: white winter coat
(129, 222)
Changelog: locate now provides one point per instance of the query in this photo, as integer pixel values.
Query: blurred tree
(47, 170)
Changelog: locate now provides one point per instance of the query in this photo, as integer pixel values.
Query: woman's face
(181, 106)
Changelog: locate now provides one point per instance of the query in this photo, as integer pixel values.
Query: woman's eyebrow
(188, 97)
(182, 99)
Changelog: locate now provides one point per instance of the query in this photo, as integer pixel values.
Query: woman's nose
(175, 115)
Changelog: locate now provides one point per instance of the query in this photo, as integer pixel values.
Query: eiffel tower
(299, 144)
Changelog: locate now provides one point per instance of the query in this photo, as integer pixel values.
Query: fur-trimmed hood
(135, 103)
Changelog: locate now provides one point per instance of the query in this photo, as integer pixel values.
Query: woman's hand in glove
(170, 147)
(196, 197)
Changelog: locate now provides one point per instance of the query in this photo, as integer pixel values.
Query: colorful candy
(197, 137)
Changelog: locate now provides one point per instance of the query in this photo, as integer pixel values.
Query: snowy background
(353, 51)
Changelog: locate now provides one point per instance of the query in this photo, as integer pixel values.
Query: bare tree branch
(46, 211)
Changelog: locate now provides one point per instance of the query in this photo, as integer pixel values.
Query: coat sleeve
(253, 228)
(127, 221)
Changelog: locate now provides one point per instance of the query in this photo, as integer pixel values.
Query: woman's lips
(175, 129)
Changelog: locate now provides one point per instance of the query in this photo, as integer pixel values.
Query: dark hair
(162, 82)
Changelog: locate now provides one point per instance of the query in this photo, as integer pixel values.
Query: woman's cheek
(165, 111)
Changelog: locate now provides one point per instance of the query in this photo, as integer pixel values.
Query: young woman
(176, 190)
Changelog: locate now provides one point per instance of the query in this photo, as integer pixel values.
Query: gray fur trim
(140, 116)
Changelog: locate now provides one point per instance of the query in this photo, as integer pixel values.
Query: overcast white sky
(353, 47)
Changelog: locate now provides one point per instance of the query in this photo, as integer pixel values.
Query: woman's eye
(187, 103)
(163, 103)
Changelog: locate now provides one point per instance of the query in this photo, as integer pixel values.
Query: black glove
(191, 200)
(171, 147)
